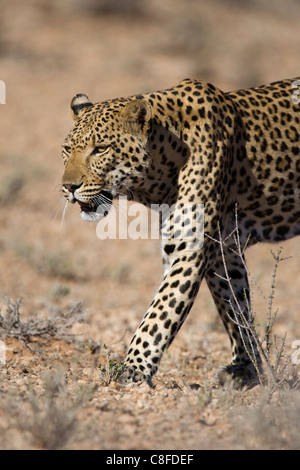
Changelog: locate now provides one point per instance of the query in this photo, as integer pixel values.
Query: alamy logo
(296, 354)
(179, 222)
(296, 93)
(2, 353)
(2, 92)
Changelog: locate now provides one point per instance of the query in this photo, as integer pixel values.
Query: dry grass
(278, 370)
(48, 419)
(58, 325)
(270, 424)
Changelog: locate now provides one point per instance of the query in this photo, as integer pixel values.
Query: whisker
(55, 211)
(103, 206)
(104, 198)
(100, 201)
(130, 192)
(63, 217)
(60, 187)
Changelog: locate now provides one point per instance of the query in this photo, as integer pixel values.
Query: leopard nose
(72, 187)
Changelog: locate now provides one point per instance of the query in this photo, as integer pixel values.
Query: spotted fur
(193, 144)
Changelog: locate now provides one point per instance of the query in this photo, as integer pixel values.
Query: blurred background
(52, 49)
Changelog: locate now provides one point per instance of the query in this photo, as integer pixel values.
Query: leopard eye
(67, 148)
(66, 151)
(100, 149)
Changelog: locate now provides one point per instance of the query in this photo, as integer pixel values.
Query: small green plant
(112, 370)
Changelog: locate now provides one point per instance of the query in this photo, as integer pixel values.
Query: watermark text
(2, 353)
(296, 354)
(2, 92)
(179, 222)
(296, 93)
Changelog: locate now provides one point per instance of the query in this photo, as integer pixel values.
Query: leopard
(233, 154)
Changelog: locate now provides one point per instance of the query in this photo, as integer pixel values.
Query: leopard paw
(132, 375)
(238, 376)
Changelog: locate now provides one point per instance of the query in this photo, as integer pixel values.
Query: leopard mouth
(98, 207)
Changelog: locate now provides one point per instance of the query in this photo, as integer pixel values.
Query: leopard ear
(136, 116)
(78, 104)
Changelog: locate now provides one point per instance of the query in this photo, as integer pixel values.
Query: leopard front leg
(165, 315)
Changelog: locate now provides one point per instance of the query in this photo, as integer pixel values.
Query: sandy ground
(49, 51)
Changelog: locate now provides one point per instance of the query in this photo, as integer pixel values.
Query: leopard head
(106, 153)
